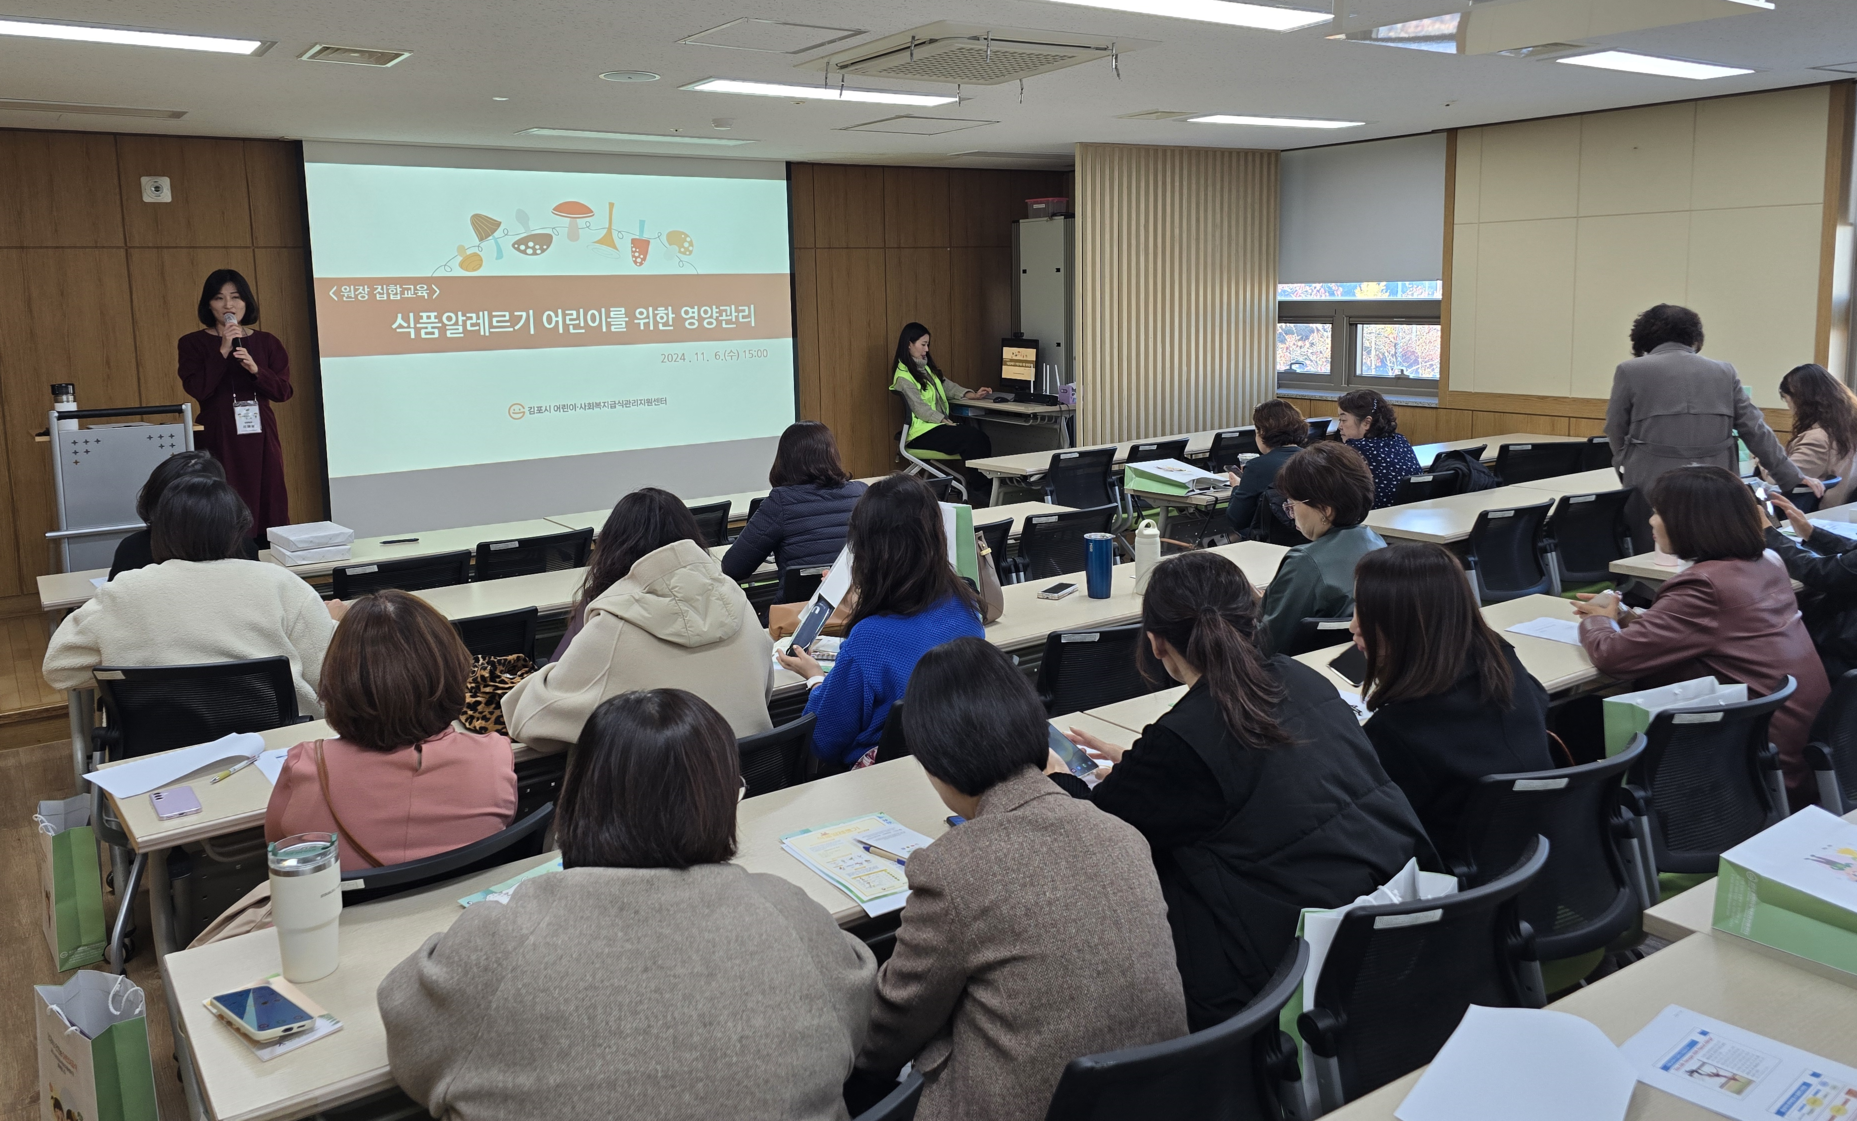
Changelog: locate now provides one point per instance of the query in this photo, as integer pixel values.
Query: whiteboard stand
(98, 472)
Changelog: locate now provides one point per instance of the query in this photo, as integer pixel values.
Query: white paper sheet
(1515, 1063)
(1736, 1073)
(99, 581)
(1555, 630)
(1355, 703)
(139, 776)
(272, 763)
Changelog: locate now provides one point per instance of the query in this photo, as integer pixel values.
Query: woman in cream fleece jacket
(674, 621)
(202, 602)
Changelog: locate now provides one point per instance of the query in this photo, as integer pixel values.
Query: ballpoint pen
(885, 854)
(232, 770)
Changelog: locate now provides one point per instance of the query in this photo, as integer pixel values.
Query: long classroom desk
(1490, 445)
(422, 543)
(352, 1063)
(1445, 521)
(1648, 568)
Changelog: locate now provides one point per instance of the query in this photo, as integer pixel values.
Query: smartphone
(1057, 591)
(1351, 664)
(810, 625)
(1076, 760)
(178, 802)
(261, 1013)
(955, 819)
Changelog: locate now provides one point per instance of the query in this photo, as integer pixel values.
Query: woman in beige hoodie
(656, 612)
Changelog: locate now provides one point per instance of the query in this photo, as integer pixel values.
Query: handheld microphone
(232, 321)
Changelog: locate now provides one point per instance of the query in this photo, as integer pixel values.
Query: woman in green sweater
(1329, 491)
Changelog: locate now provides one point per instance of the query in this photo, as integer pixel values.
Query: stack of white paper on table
(310, 542)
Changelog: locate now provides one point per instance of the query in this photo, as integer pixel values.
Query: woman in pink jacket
(400, 782)
(1729, 612)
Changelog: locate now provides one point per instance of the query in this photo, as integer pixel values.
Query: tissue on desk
(309, 535)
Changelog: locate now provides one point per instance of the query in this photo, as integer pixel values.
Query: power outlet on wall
(155, 188)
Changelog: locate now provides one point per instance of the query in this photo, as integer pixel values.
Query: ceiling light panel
(19, 105)
(771, 36)
(819, 93)
(1271, 122)
(911, 125)
(1263, 17)
(634, 137)
(1634, 63)
(130, 37)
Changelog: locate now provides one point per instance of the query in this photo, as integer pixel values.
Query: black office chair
(526, 556)
(997, 536)
(1708, 780)
(1399, 977)
(798, 583)
(892, 743)
(712, 521)
(1089, 669)
(1832, 752)
(147, 709)
(1321, 428)
(1230, 1072)
(1596, 453)
(1227, 446)
(754, 504)
(441, 570)
(1318, 634)
(523, 839)
(941, 487)
(1156, 449)
(1081, 479)
(1584, 535)
(1593, 886)
(1475, 453)
(1802, 496)
(899, 1104)
(1052, 544)
(1522, 463)
(776, 759)
(1503, 554)
(1424, 488)
(504, 633)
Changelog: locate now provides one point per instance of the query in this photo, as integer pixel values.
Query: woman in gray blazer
(1671, 407)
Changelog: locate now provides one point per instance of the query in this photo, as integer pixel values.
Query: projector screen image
(501, 344)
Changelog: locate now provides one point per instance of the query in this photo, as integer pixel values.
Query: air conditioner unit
(971, 54)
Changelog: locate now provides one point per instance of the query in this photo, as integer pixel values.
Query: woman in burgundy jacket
(1728, 612)
(233, 370)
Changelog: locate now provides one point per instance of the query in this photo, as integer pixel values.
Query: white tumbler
(306, 904)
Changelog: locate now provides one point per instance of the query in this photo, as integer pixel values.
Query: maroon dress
(255, 463)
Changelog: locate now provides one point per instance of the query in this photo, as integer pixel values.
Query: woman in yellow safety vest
(926, 390)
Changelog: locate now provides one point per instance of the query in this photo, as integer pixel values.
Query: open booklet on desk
(876, 880)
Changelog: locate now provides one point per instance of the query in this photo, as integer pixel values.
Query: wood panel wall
(97, 285)
(1176, 288)
(877, 247)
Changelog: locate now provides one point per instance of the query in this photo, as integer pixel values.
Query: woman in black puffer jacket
(803, 520)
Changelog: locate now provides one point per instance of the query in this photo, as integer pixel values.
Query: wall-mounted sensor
(155, 188)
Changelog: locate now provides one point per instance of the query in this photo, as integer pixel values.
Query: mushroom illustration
(469, 259)
(531, 244)
(575, 213)
(486, 228)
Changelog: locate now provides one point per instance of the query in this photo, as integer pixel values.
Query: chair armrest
(1321, 1030)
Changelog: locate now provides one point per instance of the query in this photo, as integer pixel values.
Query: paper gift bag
(957, 523)
(93, 1050)
(70, 882)
(1630, 713)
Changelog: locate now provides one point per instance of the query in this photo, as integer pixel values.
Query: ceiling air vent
(1542, 51)
(912, 125)
(352, 56)
(971, 54)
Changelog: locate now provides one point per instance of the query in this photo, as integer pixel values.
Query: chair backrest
(1321, 428)
(1703, 780)
(523, 839)
(1521, 463)
(1475, 453)
(1052, 544)
(1227, 446)
(997, 535)
(1399, 977)
(1422, 488)
(1091, 668)
(506, 632)
(712, 521)
(940, 487)
(1802, 496)
(1585, 896)
(754, 505)
(526, 556)
(1228, 1071)
(899, 1104)
(1504, 553)
(158, 708)
(1080, 479)
(892, 744)
(1587, 532)
(1318, 634)
(1834, 730)
(441, 570)
(799, 582)
(773, 760)
(1156, 449)
(1597, 453)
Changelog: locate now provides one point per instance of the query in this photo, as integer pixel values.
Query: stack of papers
(1736, 1073)
(310, 542)
(1556, 630)
(1170, 476)
(841, 853)
(139, 776)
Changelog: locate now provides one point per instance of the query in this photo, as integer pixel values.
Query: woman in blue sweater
(908, 600)
(802, 522)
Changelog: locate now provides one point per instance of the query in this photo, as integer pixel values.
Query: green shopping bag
(93, 1050)
(1630, 713)
(72, 882)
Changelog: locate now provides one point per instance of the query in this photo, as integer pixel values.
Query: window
(1379, 335)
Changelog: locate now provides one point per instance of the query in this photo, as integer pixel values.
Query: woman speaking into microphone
(235, 373)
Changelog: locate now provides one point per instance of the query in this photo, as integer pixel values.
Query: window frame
(1346, 317)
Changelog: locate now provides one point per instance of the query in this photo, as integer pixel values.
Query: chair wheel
(128, 951)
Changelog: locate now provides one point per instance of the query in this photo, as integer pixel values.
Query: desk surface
(426, 543)
(738, 508)
(225, 807)
(59, 591)
(1723, 977)
(1580, 482)
(377, 936)
(1426, 452)
(1137, 713)
(1644, 567)
(1447, 520)
(1035, 463)
(1022, 408)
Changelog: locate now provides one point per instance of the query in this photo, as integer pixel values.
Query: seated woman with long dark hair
(1258, 791)
(926, 391)
(803, 520)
